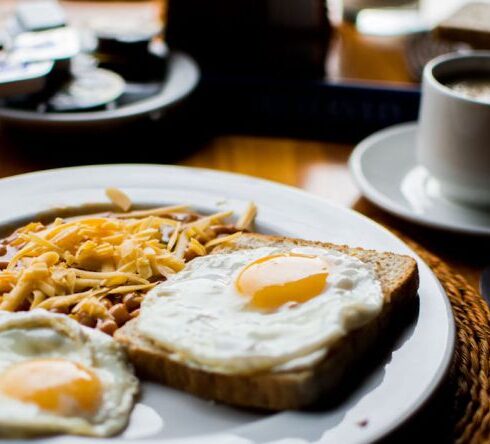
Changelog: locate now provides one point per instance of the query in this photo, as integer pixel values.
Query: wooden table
(316, 166)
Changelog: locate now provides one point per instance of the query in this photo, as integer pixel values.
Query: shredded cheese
(118, 198)
(71, 265)
(246, 220)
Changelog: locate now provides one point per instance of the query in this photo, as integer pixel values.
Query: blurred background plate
(180, 80)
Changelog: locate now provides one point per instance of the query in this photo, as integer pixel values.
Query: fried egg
(57, 376)
(260, 309)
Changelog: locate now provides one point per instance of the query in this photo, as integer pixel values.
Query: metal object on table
(352, 7)
(23, 78)
(40, 15)
(91, 89)
(384, 17)
(56, 44)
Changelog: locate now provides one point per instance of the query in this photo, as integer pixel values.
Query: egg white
(39, 334)
(199, 316)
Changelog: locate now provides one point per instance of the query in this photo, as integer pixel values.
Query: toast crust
(291, 389)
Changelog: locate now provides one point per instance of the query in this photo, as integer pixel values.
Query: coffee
(472, 85)
(454, 129)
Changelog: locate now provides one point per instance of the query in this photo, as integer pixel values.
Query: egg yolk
(273, 281)
(56, 385)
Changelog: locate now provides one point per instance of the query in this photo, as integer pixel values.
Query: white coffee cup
(454, 129)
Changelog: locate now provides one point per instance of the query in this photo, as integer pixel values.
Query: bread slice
(292, 389)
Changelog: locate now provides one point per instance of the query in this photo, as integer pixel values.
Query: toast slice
(282, 390)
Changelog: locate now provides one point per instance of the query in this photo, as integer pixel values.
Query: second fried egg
(57, 376)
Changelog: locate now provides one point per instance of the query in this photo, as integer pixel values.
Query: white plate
(181, 78)
(392, 392)
(385, 169)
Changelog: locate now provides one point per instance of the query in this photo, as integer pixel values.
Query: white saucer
(386, 171)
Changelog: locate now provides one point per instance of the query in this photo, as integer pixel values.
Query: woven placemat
(470, 372)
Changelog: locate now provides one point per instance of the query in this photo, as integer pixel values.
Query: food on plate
(197, 302)
(57, 376)
(266, 321)
(97, 268)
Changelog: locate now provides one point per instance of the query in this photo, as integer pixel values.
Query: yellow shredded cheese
(246, 220)
(85, 265)
(222, 240)
(155, 212)
(118, 198)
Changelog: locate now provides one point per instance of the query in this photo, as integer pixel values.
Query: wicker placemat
(470, 372)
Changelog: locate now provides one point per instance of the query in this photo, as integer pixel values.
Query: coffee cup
(454, 125)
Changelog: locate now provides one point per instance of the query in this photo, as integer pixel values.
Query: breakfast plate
(385, 169)
(396, 388)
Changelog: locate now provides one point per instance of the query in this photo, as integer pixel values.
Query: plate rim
(388, 204)
(444, 367)
(144, 107)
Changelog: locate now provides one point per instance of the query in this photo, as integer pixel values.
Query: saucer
(385, 169)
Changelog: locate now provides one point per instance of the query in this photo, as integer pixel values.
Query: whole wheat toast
(291, 389)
